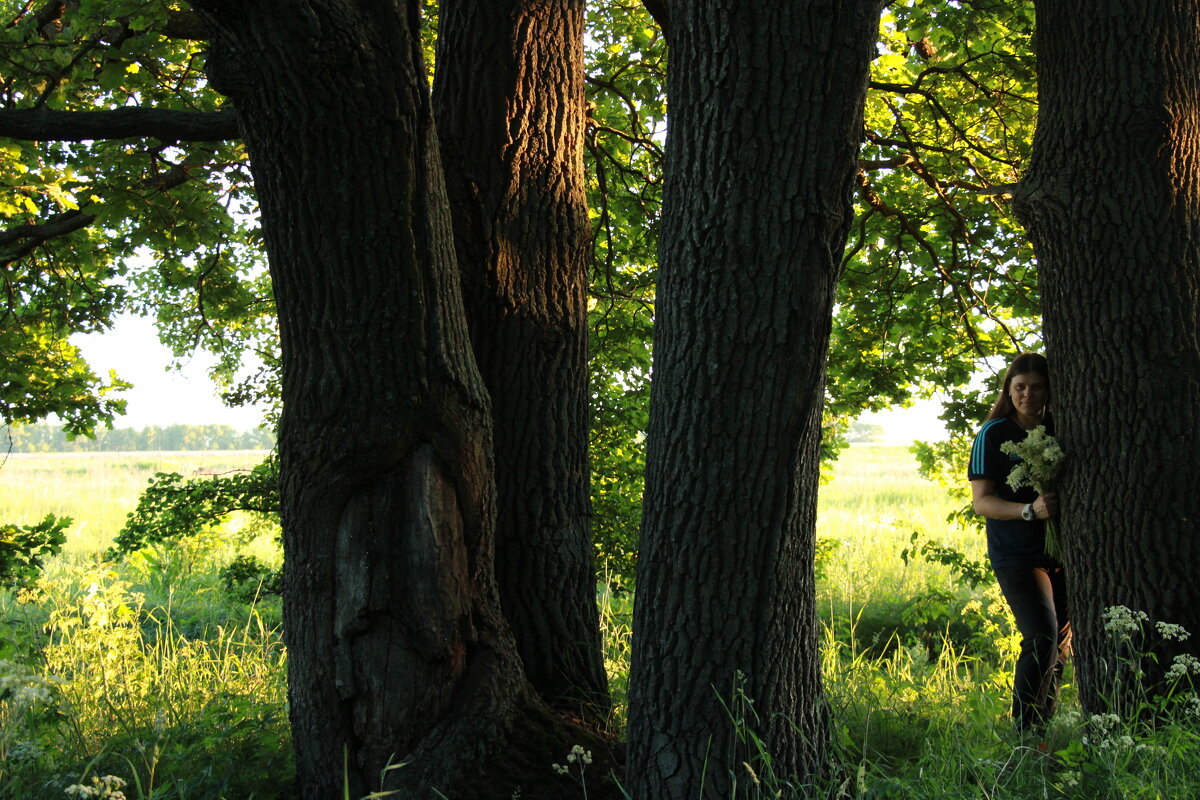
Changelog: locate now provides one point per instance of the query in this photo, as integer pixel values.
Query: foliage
(109, 211)
(972, 572)
(938, 275)
(24, 549)
(246, 578)
(173, 506)
(626, 76)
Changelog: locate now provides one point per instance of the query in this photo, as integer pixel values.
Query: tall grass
(150, 671)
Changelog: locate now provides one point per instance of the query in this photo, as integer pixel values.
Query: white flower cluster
(25, 750)
(1193, 705)
(1184, 664)
(107, 788)
(1123, 622)
(1041, 459)
(1124, 742)
(577, 754)
(1103, 723)
(21, 687)
(1169, 630)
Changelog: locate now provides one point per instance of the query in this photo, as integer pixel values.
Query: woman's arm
(987, 504)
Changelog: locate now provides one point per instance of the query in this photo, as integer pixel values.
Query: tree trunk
(766, 115)
(1112, 204)
(511, 125)
(397, 652)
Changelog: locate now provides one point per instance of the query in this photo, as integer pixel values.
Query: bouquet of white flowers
(1041, 459)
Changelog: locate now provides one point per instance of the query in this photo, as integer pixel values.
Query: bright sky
(918, 422)
(159, 396)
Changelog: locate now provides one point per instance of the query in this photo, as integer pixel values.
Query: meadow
(156, 674)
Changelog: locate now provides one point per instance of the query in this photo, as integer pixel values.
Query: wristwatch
(1027, 513)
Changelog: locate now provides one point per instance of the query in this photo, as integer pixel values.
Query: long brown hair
(1021, 365)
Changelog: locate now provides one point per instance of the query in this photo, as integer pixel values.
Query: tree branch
(35, 235)
(887, 163)
(119, 123)
(21, 240)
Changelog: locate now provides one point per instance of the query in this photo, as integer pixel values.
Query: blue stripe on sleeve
(978, 465)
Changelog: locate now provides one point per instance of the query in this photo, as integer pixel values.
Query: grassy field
(151, 671)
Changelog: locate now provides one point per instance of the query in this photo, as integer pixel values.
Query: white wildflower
(1039, 453)
(1185, 664)
(1169, 630)
(106, 788)
(25, 751)
(1123, 622)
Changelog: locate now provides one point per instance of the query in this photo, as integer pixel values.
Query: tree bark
(397, 652)
(1112, 204)
(766, 116)
(511, 127)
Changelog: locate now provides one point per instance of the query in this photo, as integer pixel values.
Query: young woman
(1032, 581)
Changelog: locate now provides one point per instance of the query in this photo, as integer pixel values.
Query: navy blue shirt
(1011, 542)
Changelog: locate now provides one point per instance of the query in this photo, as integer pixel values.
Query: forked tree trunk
(1112, 204)
(766, 116)
(397, 651)
(510, 110)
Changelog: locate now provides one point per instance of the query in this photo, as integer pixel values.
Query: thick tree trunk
(766, 115)
(397, 651)
(1112, 204)
(510, 111)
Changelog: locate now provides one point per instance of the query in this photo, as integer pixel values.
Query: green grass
(148, 670)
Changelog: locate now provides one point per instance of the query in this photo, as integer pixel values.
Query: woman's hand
(1046, 506)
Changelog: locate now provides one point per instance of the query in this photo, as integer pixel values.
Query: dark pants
(1038, 599)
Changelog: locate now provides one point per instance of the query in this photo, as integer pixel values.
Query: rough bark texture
(766, 114)
(1112, 204)
(510, 111)
(397, 652)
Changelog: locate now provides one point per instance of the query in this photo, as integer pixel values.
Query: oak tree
(1111, 200)
(766, 119)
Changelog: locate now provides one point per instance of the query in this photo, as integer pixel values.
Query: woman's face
(1029, 393)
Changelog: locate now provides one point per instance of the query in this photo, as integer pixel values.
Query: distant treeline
(46, 438)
